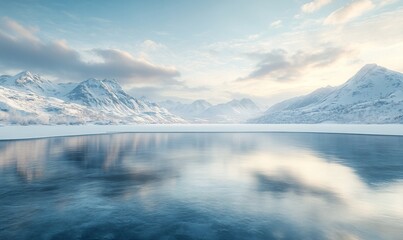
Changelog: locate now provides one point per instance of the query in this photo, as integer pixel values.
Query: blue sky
(216, 50)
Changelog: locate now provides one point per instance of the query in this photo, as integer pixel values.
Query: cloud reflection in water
(202, 186)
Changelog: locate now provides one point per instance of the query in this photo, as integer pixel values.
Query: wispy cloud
(100, 20)
(21, 48)
(150, 45)
(314, 5)
(15, 31)
(276, 24)
(279, 65)
(386, 2)
(348, 12)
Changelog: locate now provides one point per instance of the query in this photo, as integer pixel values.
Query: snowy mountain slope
(234, 111)
(18, 107)
(102, 94)
(301, 101)
(373, 95)
(28, 99)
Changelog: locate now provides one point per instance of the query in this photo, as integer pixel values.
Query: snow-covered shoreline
(41, 131)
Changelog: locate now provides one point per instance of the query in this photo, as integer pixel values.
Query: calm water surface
(202, 186)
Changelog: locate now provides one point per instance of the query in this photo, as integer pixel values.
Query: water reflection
(202, 186)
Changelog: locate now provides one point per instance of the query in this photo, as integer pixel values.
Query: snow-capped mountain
(234, 111)
(27, 99)
(28, 82)
(17, 107)
(108, 96)
(373, 95)
(188, 111)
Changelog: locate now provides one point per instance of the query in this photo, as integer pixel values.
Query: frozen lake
(202, 186)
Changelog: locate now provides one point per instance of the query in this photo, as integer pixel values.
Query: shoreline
(16, 132)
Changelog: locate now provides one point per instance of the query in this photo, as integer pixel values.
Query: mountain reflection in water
(202, 186)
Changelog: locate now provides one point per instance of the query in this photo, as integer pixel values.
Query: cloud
(314, 6)
(279, 65)
(150, 45)
(348, 12)
(7, 25)
(20, 48)
(276, 24)
(386, 2)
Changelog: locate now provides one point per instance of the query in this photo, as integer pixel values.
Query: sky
(212, 49)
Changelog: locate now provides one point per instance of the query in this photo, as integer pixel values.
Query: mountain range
(373, 95)
(201, 111)
(27, 98)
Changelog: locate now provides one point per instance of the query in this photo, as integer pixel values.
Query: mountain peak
(104, 94)
(92, 81)
(246, 101)
(106, 80)
(367, 68)
(30, 82)
(370, 66)
(24, 73)
(371, 73)
(27, 76)
(201, 102)
(110, 84)
(233, 101)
